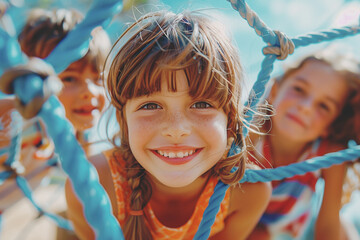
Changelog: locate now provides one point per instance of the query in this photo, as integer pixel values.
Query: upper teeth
(176, 155)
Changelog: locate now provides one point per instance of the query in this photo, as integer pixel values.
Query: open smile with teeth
(176, 154)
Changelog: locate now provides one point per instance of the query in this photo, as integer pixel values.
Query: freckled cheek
(66, 100)
(213, 128)
(68, 94)
(141, 129)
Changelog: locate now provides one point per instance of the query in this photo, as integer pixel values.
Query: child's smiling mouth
(296, 119)
(177, 157)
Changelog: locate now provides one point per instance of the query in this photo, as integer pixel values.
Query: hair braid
(135, 226)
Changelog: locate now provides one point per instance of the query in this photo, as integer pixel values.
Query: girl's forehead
(317, 73)
(177, 78)
(322, 80)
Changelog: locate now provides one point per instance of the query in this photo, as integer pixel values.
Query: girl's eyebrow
(72, 69)
(333, 101)
(302, 80)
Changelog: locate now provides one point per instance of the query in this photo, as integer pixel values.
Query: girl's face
(307, 102)
(83, 95)
(174, 137)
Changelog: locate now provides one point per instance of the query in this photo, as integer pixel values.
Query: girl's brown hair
(154, 48)
(45, 29)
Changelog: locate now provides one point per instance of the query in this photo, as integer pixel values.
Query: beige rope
(286, 46)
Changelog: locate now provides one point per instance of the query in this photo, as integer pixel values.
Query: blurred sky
(293, 17)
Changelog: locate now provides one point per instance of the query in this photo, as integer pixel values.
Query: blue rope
(76, 43)
(214, 203)
(83, 175)
(316, 163)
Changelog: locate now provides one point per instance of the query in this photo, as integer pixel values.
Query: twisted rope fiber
(316, 163)
(322, 36)
(86, 184)
(255, 22)
(258, 89)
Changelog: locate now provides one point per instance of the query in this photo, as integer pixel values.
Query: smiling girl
(316, 106)
(175, 81)
(83, 94)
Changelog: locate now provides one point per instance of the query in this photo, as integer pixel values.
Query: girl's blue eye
(150, 106)
(201, 105)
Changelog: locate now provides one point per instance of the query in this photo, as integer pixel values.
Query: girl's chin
(83, 126)
(174, 180)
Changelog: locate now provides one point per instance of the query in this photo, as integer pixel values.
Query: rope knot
(35, 66)
(286, 46)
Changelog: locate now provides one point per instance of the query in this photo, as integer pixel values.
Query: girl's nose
(176, 126)
(306, 104)
(88, 89)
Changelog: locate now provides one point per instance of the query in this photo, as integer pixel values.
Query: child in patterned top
(175, 81)
(316, 104)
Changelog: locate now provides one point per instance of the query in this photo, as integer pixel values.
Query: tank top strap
(122, 191)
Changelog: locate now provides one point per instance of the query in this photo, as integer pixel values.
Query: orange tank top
(157, 229)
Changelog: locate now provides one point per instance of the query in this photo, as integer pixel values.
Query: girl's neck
(174, 207)
(285, 151)
(163, 193)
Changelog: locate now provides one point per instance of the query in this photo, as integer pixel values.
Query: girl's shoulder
(101, 163)
(250, 195)
(248, 201)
